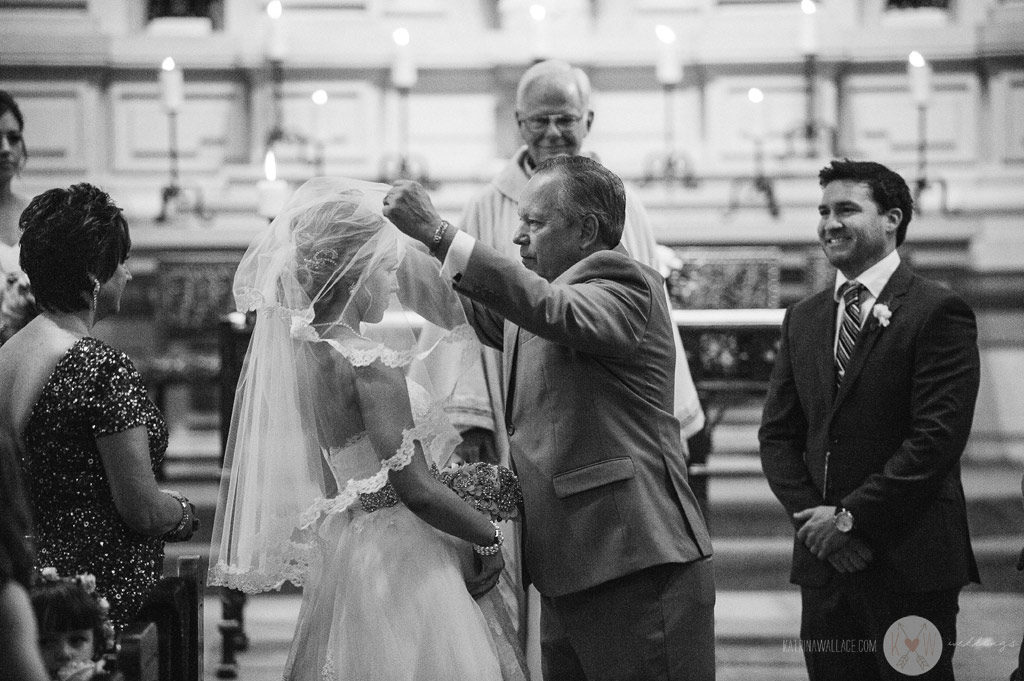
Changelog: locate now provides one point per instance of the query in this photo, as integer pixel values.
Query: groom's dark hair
(888, 189)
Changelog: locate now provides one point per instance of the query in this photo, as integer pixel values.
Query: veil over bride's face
(345, 262)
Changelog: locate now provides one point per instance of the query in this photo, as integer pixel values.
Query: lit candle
(277, 45)
(172, 86)
(319, 99)
(756, 97)
(809, 27)
(403, 68)
(920, 73)
(273, 193)
(539, 13)
(670, 67)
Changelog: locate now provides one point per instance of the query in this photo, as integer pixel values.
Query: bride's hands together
(488, 570)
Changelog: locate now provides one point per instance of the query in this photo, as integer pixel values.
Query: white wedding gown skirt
(387, 601)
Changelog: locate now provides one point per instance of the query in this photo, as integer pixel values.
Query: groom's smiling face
(853, 231)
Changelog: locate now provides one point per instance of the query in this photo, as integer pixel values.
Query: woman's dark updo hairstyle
(7, 103)
(70, 239)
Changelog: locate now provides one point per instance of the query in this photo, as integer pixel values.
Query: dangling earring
(95, 295)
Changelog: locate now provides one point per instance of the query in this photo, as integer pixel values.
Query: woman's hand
(486, 577)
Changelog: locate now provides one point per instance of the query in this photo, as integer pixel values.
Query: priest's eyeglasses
(564, 122)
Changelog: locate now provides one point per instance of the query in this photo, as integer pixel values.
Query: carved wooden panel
(1008, 105)
(141, 128)
(59, 121)
(724, 278)
(882, 119)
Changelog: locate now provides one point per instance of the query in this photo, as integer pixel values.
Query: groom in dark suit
(868, 412)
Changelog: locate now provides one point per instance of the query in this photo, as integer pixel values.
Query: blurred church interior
(200, 116)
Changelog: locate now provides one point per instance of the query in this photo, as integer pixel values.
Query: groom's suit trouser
(657, 624)
(859, 606)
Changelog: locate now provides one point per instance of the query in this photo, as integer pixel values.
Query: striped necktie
(849, 328)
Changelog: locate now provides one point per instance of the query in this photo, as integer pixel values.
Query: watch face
(844, 521)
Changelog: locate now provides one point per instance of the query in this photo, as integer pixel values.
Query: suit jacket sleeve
(783, 435)
(600, 306)
(944, 387)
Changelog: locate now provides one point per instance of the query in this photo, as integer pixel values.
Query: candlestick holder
(304, 148)
(760, 183)
(174, 200)
(403, 165)
(669, 166)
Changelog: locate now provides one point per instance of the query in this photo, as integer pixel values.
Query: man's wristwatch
(843, 520)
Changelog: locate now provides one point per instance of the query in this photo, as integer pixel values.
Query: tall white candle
(273, 193)
(403, 68)
(809, 27)
(319, 98)
(539, 18)
(670, 66)
(919, 72)
(756, 98)
(172, 86)
(277, 45)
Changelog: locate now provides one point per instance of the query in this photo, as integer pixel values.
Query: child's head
(72, 620)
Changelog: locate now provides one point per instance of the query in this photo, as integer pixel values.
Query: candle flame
(755, 95)
(320, 97)
(168, 64)
(808, 6)
(665, 34)
(270, 166)
(538, 12)
(401, 36)
(274, 9)
(916, 59)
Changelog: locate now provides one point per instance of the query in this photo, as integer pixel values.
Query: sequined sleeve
(116, 396)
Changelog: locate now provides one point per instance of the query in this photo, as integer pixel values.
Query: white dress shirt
(874, 280)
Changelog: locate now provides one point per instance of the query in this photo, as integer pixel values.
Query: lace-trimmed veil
(336, 289)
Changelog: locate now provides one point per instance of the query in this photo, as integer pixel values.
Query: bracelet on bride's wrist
(499, 539)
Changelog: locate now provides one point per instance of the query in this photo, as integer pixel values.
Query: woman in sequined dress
(327, 481)
(76, 409)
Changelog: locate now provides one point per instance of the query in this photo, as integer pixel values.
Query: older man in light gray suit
(613, 538)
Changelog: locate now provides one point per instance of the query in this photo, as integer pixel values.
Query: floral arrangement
(491, 489)
(882, 313)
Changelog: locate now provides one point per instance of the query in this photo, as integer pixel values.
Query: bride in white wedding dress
(327, 480)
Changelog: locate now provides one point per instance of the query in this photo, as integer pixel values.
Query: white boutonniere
(882, 313)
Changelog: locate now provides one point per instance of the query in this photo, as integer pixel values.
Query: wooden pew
(165, 643)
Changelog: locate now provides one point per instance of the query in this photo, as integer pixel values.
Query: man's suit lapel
(823, 324)
(892, 296)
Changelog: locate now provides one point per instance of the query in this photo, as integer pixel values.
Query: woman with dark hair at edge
(77, 411)
(16, 304)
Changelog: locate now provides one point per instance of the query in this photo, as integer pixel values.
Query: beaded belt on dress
(385, 497)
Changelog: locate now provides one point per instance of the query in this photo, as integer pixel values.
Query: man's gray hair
(558, 71)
